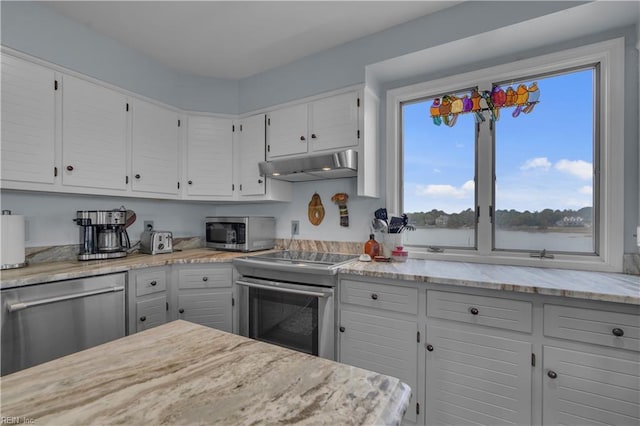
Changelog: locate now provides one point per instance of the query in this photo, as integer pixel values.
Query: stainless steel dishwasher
(46, 321)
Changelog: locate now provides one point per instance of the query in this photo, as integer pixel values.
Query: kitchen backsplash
(70, 251)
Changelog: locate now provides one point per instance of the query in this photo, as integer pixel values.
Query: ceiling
(236, 39)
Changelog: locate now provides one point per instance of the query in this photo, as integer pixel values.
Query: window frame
(609, 55)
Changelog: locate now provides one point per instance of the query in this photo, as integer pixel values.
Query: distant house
(571, 221)
(442, 220)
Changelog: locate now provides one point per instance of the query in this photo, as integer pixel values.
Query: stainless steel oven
(287, 299)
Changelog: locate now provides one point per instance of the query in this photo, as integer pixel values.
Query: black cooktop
(305, 257)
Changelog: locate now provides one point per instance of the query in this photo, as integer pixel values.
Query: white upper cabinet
(333, 122)
(287, 131)
(154, 148)
(327, 124)
(28, 121)
(65, 132)
(250, 152)
(94, 135)
(209, 166)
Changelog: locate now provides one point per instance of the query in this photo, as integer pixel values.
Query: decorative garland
(523, 98)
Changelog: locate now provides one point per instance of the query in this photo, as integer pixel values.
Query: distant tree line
(504, 218)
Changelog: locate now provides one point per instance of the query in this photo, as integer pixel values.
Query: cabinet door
(476, 378)
(94, 125)
(151, 312)
(287, 131)
(590, 389)
(251, 151)
(211, 309)
(209, 156)
(155, 148)
(384, 345)
(28, 121)
(334, 122)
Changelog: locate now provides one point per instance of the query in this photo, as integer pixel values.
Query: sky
(544, 159)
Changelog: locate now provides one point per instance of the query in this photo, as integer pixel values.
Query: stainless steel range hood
(326, 166)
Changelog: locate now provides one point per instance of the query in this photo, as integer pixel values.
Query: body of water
(579, 242)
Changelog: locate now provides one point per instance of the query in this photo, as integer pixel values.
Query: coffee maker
(103, 233)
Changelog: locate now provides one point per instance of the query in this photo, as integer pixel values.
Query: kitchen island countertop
(183, 373)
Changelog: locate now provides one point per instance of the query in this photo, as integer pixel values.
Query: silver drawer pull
(24, 305)
(474, 311)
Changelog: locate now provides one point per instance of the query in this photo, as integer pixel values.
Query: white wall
(33, 28)
(360, 212)
(49, 217)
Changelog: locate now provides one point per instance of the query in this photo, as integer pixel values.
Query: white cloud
(469, 185)
(541, 163)
(588, 190)
(446, 190)
(436, 170)
(578, 168)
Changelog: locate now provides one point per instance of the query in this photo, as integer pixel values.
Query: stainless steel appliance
(46, 321)
(334, 165)
(156, 242)
(103, 233)
(287, 298)
(244, 233)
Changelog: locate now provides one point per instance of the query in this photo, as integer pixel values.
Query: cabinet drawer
(606, 328)
(382, 296)
(150, 281)
(205, 277)
(488, 311)
(151, 313)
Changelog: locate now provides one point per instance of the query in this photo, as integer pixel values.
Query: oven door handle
(284, 289)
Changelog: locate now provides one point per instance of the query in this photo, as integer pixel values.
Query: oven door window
(284, 319)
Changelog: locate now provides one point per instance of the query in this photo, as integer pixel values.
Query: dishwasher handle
(15, 307)
(284, 289)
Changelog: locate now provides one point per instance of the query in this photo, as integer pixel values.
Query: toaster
(156, 242)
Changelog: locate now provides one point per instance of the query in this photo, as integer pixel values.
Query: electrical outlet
(295, 227)
(148, 225)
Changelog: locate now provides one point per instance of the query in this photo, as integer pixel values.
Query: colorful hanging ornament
(341, 200)
(446, 109)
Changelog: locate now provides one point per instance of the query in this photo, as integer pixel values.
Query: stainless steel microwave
(242, 233)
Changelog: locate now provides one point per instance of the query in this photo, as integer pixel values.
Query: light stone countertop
(66, 270)
(600, 286)
(183, 373)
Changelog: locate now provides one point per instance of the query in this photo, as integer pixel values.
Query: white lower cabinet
(592, 368)
(473, 376)
(494, 357)
(378, 331)
(202, 294)
(584, 388)
(205, 296)
(147, 298)
(478, 364)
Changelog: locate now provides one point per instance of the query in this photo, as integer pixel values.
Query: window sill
(575, 262)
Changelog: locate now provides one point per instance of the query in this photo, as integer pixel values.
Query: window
(544, 167)
(538, 185)
(439, 178)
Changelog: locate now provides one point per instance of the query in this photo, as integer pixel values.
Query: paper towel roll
(12, 235)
